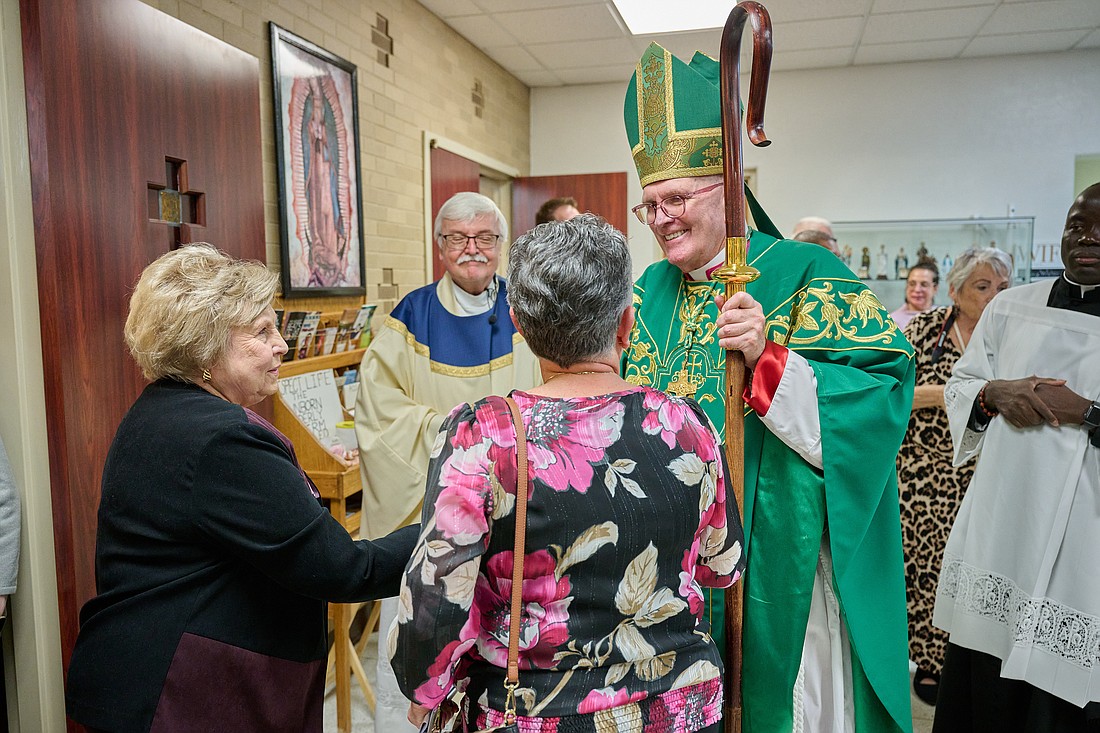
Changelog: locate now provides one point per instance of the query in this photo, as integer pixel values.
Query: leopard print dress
(931, 490)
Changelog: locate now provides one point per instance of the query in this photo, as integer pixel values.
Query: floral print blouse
(627, 519)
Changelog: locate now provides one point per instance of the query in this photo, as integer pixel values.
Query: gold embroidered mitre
(673, 115)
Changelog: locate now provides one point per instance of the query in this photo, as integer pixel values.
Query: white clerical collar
(704, 272)
(473, 305)
(1084, 288)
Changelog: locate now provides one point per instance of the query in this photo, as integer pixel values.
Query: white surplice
(1019, 579)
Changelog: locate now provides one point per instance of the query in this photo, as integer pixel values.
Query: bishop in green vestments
(828, 396)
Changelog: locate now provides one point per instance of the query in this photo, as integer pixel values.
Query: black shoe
(926, 685)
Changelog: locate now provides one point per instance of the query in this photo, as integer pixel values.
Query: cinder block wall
(428, 85)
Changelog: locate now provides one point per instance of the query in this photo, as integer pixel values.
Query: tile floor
(363, 722)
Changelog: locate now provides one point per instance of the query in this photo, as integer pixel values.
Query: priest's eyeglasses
(456, 241)
(673, 206)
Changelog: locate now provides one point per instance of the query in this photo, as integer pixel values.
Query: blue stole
(457, 341)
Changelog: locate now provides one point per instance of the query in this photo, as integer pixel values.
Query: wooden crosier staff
(737, 274)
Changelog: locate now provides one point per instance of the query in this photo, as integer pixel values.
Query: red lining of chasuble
(760, 390)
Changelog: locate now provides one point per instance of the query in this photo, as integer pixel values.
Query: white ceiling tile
(598, 75)
(684, 45)
(580, 54)
(803, 35)
(1058, 15)
(539, 78)
(482, 31)
(587, 22)
(783, 11)
(559, 42)
(514, 58)
(900, 6)
(1023, 43)
(891, 53)
(925, 25)
(818, 58)
(451, 8)
(1092, 40)
(509, 6)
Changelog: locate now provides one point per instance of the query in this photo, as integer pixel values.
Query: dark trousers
(974, 698)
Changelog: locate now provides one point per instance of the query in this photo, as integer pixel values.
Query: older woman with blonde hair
(931, 487)
(214, 555)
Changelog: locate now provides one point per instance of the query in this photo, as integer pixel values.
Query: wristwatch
(1092, 416)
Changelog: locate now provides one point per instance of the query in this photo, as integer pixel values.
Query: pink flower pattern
(568, 438)
(544, 627)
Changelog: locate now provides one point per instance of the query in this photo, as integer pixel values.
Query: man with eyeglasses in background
(829, 385)
(446, 343)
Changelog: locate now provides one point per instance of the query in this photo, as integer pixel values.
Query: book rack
(339, 484)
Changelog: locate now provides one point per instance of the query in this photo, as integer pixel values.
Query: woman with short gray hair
(628, 518)
(568, 289)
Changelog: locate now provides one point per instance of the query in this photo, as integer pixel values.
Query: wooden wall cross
(175, 204)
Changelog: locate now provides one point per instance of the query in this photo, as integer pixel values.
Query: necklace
(558, 374)
(958, 334)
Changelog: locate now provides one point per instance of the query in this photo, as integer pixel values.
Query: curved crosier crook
(730, 59)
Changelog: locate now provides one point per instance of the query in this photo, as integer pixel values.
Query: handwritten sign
(314, 399)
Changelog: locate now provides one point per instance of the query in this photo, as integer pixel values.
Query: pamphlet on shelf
(325, 341)
(360, 333)
(350, 392)
(343, 329)
(315, 401)
(292, 326)
(304, 346)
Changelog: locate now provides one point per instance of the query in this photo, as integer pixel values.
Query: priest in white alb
(448, 342)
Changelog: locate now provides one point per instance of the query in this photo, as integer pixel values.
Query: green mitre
(673, 116)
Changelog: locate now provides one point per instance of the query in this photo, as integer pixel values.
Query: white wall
(928, 140)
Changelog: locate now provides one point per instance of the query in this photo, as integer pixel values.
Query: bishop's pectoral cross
(687, 380)
(175, 204)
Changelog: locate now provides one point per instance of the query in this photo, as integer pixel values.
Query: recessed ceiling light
(645, 17)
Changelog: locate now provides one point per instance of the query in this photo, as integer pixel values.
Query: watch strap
(1091, 418)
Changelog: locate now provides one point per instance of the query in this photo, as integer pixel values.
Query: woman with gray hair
(628, 517)
(214, 556)
(931, 487)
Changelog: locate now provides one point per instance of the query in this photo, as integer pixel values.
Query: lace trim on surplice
(1042, 623)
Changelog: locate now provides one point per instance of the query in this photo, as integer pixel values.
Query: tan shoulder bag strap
(522, 488)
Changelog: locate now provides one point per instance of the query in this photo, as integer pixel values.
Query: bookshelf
(340, 485)
(316, 363)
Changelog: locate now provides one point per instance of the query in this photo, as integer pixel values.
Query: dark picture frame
(316, 102)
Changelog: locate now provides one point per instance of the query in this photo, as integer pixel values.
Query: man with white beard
(449, 342)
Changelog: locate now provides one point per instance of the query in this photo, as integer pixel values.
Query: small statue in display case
(922, 255)
(880, 273)
(946, 263)
(847, 255)
(865, 265)
(901, 264)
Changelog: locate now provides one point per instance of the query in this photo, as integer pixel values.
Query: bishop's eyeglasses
(673, 206)
(456, 241)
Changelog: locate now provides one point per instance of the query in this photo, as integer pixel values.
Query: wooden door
(598, 193)
(123, 103)
(451, 173)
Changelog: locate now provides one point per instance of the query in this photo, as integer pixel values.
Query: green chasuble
(864, 370)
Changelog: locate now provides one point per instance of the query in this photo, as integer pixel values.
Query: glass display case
(881, 252)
